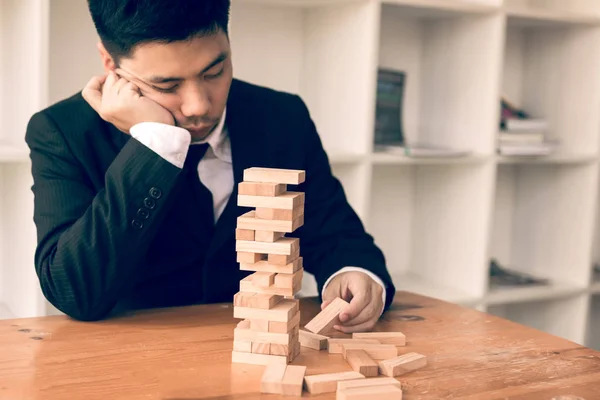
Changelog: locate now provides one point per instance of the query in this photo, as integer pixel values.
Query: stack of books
(521, 135)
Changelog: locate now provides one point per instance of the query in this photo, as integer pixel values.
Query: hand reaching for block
(366, 302)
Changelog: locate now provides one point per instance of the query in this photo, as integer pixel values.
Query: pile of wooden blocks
(269, 332)
(369, 354)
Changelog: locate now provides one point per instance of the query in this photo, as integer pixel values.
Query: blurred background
(465, 133)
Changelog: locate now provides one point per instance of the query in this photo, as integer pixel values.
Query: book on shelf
(545, 148)
(388, 108)
(521, 135)
(501, 276)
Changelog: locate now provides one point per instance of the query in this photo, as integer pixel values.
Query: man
(135, 179)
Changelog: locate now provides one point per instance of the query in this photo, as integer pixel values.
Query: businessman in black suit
(135, 179)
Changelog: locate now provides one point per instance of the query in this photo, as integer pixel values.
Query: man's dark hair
(124, 24)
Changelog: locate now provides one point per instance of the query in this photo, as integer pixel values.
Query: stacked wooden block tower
(269, 331)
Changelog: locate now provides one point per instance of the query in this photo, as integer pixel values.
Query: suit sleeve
(91, 244)
(333, 236)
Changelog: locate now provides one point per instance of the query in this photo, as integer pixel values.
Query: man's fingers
(356, 306)
(110, 81)
(92, 93)
(325, 303)
(119, 85)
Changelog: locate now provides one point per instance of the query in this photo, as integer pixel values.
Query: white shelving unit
(439, 221)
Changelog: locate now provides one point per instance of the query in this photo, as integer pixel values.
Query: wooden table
(185, 353)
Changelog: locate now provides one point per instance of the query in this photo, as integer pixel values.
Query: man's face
(191, 79)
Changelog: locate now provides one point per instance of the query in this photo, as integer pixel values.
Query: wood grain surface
(185, 353)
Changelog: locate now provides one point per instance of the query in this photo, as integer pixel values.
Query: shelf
(415, 284)
(551, 159)
(527, 17)
(297, 3)
(443, 8)
(11, 153)
(347, 158)
(510, 295)
(394, 159)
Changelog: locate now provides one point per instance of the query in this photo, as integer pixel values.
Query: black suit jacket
(91, 181)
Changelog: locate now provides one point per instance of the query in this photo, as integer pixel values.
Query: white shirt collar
(218, 140)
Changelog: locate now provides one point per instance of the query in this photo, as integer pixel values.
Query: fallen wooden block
(402, 364)
(288, 281)
(267, 189)
(380, 392)
(395, 338)
(247, 286)
(250, 258)
(249, 221)
(384, 380)
(375, 351)
(266, 236)
(256, 300)
(327, 318)
(285, 246)
(285, 201)
(282, 312)
(274, 175)
(334, 345)
(279, 214)
(285, 327)
(244, 234)
(263, 279)
(313, 340)
(257, 359)
(264, 266)
(361, 362)
(286, 380)
(327, 383)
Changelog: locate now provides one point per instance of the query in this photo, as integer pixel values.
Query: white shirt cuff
(168, 141)
(369, 273)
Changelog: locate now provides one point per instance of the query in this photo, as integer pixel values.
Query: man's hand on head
(120, 102)
(364, 295)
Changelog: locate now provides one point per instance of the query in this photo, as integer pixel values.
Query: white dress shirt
(215, 169)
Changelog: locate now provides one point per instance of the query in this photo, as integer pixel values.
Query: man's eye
(215, 75)
(166, 90)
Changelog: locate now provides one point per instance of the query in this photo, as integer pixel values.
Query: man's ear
(107, 60)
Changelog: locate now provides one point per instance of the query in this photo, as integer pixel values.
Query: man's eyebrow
(161, 79)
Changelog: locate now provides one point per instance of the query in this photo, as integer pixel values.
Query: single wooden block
(280, 349)
(286, 201)
(244, 346)
(250, 258)
(285, 246)
(257, 359)
(267, 189)
(293, 380)
(327, 318)
(274, 175)
(402, 364)
(259, 325)
(279, 214)
(313, 340)
(244, 324)
(244, 234)
(395, 338)
(247, 286)
(334, 345)
(249, 221)
(267, 236)
(256, 300)
(280, 259)
(327, 383)
(285, 327)
(288, 281)
(375, 351)
(380, 392)
(386, 381)
(264, 266)
(360, 361)
(272, 377)
(261, 348)
(263, 279)
(264, 337)
(284, 311)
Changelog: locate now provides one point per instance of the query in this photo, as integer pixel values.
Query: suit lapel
(248, 149)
